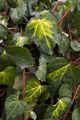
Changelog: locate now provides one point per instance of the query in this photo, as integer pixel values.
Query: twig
(21, 30)
(62, 18)
(73, 62)
(26, 19)
(55, 6)
(72, 102)
(75, 93)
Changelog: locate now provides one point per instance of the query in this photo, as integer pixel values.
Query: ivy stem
(73, 62)
(62, 18)
(53, 9)
(75, 93)
(74, 97)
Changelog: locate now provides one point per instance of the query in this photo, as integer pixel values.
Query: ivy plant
(39, 59)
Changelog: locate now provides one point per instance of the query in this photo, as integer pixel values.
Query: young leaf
(7, 76)
(33, 115)
(41, 29)
(42, 69)
(53, 112)
(33, 90)
(75, 45)
(15, 107)
(19, 40)
(20, 56)
(65, 91)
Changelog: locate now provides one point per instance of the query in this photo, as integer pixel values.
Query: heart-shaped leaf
(20, 56)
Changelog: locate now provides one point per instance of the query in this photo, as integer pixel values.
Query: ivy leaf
(67, 73)
(33, 90)
(53, 112)
(42, 69)
(42, 30)
(15, 107)
(13, 3)
(31, 1)
(76, 114)
(58, 74)
(56, 63)
(3, 31)
(62, 42)
(20, 56)
(18, 83)
(7, 76)
(17, 13)
(65, 91)
(75, 45)
(33, 115)
(76, 23)
(20, 40)
(76, 3)
(3, 4)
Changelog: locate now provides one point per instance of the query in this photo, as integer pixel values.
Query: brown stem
(75, 61)
(53, 9)
(74, 97)
(75, 93)
(21, 31)
(70, 34)
(62, 18)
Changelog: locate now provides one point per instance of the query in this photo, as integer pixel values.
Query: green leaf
(63, 43)
(13, 3)
(56, 63)
(42, 31)
(20, 40)
(18, 82)
(15, 107)
(76, 114)
(17, 13)
(3, 4)
(42, 28)
(20, 56)
(75, 45)
(7, 76)
(65, 91)
(58, 74)
(76, 3)
(31, 1)
(42, 69)
(33, 90)
(3, 31)
(76, 23)
(53, 112)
